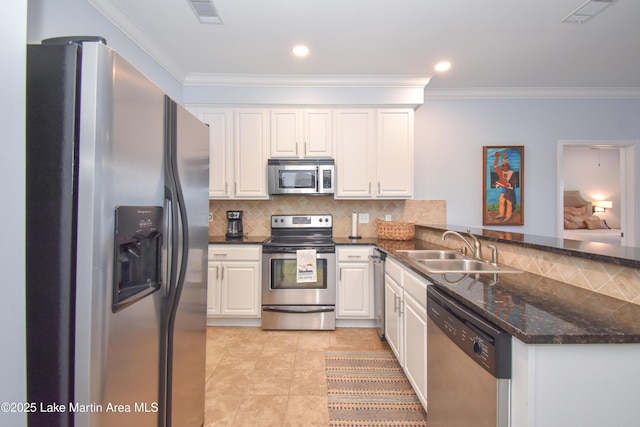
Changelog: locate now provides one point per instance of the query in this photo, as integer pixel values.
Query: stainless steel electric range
(288, 302)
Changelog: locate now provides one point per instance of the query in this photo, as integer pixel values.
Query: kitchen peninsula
(574, 351)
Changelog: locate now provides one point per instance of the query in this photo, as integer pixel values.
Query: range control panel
(301, 221)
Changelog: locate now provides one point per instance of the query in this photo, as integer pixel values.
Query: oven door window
(300, 179)
(284, 275)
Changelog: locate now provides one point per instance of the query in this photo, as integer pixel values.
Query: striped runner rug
(370, 389)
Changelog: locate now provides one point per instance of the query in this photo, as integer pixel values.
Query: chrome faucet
(475, 248)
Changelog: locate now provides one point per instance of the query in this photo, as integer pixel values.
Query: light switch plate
(363, 218)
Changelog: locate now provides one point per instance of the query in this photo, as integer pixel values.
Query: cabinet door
(220, 151)
(213, 289)
(393, 317)
(394, 143)
(415, 350)
(251, 153)
(286, 133)
(318, 133)
(354, 290)
(355, 153)
(240, 289)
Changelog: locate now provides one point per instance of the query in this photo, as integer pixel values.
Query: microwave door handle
(317, 179)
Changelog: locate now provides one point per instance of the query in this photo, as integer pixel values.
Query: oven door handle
(302, 311)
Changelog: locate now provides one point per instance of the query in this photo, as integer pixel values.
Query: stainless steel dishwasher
(468, 366)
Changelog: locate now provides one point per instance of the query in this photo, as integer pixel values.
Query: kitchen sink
(464, 266)
(429, 254)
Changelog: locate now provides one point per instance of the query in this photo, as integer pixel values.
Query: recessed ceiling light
(300, 51)
(443, 66)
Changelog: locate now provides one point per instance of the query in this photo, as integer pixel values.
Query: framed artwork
(503, 184)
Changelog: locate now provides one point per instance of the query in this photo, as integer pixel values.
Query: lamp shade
(606, 204)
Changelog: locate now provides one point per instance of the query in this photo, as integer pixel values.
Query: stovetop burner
(292, 232)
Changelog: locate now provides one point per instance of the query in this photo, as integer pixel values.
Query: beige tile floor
(273, 378)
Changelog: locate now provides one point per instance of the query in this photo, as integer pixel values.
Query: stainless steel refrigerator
(116, 246)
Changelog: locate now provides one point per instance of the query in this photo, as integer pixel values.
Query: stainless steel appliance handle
(179, 234)
(302, 311)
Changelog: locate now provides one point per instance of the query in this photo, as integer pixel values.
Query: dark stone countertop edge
(247, 240)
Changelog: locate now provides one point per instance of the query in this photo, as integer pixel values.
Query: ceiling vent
(205, 11)
(587, 10)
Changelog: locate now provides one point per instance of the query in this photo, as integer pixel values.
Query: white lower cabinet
(415, 340)
(355, 287)
(394, 332)
(406, 323)
(392, 308)
(234, 286)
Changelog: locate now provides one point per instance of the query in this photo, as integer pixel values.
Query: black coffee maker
(234, 228)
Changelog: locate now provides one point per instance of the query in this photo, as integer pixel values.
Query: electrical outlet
(363, 218)
(387, 217)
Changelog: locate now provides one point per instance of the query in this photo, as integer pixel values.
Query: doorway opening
(624, 169)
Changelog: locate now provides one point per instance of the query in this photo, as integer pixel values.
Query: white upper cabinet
(238, 145)
(374, 157)
(373, 148)
(355, 143)
(220, 152)
(394, 153)
(251, 153)
(297, 133)
(318, 133)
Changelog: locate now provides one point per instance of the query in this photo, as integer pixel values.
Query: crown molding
(140, 38)
(533, 93)
(288, 80)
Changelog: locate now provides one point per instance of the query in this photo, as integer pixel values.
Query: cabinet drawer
(417, 288)
(353, 254)
(393, 269)
(234, 252)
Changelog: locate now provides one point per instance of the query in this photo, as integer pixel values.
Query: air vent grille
(206, 11)
(587, 10)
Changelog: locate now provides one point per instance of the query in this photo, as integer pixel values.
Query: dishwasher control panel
(485, 343)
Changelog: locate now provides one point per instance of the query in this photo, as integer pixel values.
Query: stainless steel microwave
(302, 176)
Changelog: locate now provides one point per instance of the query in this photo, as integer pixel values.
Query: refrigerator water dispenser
(138, 254)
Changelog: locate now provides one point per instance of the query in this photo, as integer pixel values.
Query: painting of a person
(503, 196)
(507, 182)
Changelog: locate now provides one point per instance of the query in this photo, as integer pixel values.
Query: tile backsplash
(616, 281)
(257, 213)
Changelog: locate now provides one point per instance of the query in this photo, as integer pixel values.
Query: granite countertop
(532, 308)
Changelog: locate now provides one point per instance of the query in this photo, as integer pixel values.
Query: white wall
(55, 18)
(13, 19)
(450, 134)
(596, 173)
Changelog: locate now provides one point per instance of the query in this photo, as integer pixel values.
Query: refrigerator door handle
(179, 251)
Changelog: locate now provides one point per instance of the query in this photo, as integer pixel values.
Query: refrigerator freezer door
(120, 163)
(50, 227)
